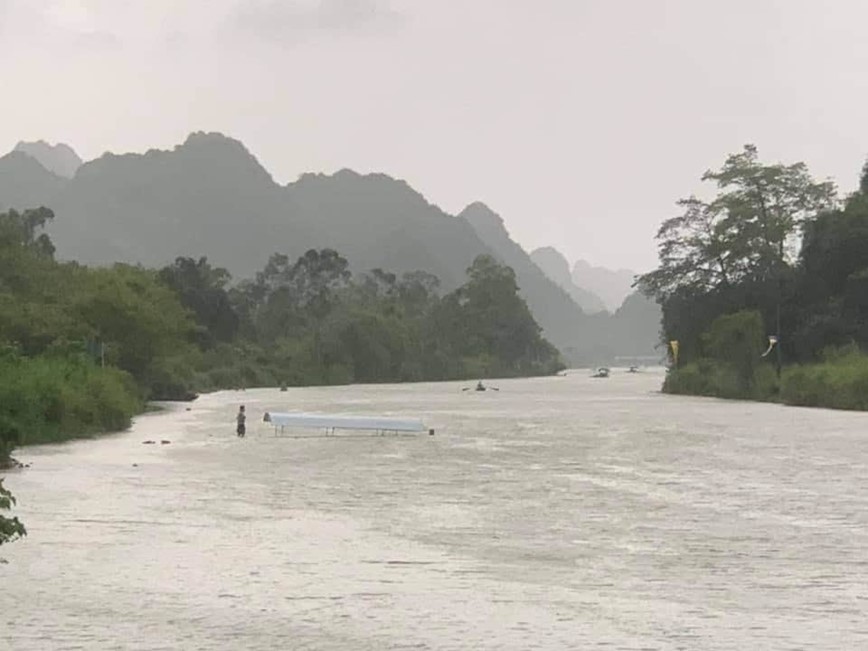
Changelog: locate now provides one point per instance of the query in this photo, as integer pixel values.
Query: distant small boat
(633, 369)
(601, 372)
(481, 387)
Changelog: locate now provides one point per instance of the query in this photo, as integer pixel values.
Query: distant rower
(481, 387)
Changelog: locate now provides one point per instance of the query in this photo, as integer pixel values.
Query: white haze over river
(556, 513)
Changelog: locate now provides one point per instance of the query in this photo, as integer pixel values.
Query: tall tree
(830, 303)
(747, 232)
(202, 289)
(317, 276)
(24, 230)
(493, 320)
(146, 331)
(735, 251)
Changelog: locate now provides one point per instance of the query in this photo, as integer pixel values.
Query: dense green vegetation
(82, 349)
(773, 254)
(209, 196)
(310, 322)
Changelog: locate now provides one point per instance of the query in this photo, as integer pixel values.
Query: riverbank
(53, 399)
(62, 400)
(839, 382)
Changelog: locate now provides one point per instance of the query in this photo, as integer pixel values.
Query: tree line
(82, 349)
(774, 263)
(309, 321)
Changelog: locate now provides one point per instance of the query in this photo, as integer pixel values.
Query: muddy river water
(555, 513)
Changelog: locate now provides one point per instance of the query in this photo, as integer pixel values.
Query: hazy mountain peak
(554, 265)
(19, 160)
(210, 139)
(487, 223)
(481, 212)
(207, 158)
(584, 265)
(215, 144)
(60, 159)
(343, 174)
(554, 259)
(347, 173)
(611, 286)
(25, 182)
(374, 187)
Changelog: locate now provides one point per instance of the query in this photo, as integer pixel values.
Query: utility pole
(779, 356)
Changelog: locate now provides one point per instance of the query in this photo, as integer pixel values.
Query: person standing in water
(241, 419)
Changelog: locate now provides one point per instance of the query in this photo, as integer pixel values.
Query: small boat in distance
(601, 372)
(481, 387)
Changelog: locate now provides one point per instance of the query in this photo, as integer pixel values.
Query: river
(555, 513)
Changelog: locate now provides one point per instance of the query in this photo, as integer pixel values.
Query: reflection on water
(557, 513)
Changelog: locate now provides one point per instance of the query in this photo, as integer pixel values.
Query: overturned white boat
(330, 422)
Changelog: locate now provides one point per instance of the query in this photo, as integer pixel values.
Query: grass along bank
(840, 381)
(51, 399)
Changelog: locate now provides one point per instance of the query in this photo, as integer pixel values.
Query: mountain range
(209, 196)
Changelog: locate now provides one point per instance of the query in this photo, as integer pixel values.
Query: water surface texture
(556, 513)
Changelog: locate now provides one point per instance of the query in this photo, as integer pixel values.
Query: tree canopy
(746, 233)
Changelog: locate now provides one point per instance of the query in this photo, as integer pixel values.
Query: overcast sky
(580, 121)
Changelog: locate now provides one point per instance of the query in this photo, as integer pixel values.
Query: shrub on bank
(49, 399)
(839, 382)
(712, 378)
(734, 368)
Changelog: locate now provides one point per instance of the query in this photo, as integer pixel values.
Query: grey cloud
(29, 21)
(292, 19)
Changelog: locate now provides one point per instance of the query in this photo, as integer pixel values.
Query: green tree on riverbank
(310, 322)
(737, 250)
(773, 242)
(53, 383)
